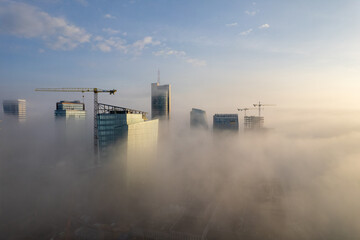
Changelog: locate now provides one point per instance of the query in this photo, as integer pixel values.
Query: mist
(298, 180)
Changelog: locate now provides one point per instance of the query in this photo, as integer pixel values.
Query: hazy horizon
(298, 178)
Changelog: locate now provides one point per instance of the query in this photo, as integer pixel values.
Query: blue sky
(216, 54)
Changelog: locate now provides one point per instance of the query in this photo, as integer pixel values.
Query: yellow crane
(259, 105)
(96, 105)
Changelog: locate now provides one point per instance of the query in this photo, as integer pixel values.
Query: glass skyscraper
(128, 137)
(198, 118)
(160, 101)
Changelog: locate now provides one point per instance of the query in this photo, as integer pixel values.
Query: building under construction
(253, 122)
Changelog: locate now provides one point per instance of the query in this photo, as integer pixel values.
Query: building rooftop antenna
(158, 80)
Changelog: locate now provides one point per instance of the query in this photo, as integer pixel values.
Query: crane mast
(259, 105)
(96, 106)
(245, 109)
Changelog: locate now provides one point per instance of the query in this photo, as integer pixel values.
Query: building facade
(128, 137)
(226, 122)
(253, 122)
(160, 101)
(70, 110)
(198, 119)
(16, 108)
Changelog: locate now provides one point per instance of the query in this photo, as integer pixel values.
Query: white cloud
(109, 16)
(110, 31)
(182, 55)
(141, 44)
(247, 32)
(23, 20)
(26, 21)
(104, 47)
(196, 62)
(120, 44)
(98, 38)
(169, 52)
(264, 26)
(251, 13)
(112, 43)
(231, 24)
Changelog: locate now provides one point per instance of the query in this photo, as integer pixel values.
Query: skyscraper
(160, 101)
(15, 108)
(226, 122)
(130, 137)
(198, 119)
(70, 110)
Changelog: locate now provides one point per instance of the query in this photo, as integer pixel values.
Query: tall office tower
(160, 101)
(253, 122)
(198, 119)
(226, 122)
(130, 137)
(15, 108)
(70, 110)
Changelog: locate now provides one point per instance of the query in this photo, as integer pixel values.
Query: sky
(217, 55)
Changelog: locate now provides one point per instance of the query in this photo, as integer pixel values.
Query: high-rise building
(70, 110)
(130, 137)
(15, 108)
(253, 122)
(160, 101)
(198, 118)
(226, 122)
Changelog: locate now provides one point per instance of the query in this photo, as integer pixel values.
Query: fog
(299, 179)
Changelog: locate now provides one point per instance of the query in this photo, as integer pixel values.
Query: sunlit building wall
(130, 139)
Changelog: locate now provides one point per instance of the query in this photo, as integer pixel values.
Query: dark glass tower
(160, 101)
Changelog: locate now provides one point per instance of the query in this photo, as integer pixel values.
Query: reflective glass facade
(198, 118)
(131, 139)
(226, 122)
(160, 101)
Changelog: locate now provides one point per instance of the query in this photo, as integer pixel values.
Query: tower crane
(245, 109)
(96, 105)
(259, 105)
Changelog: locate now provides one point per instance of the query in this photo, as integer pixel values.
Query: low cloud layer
(297, 181)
